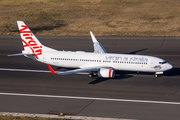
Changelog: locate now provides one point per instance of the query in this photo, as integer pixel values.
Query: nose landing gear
(158, 74)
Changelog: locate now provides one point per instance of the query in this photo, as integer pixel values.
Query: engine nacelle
(106, 73)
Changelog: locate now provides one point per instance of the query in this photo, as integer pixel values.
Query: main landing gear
(92, 74)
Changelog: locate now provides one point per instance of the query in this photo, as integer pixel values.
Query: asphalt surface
(129, 86)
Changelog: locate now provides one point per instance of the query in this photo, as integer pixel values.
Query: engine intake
(106, 73)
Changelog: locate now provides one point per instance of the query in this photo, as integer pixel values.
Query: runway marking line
(90, 98)
(23, 70)
(27, 70)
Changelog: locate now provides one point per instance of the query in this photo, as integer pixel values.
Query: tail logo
(29, 42)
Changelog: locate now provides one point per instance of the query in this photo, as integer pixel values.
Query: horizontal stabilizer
(19, 54)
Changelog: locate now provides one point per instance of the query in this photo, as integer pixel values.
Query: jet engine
(106, 73)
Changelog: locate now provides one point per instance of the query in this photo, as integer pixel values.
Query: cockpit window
(162, 62)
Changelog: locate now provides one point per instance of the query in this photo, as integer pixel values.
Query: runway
(130, 86)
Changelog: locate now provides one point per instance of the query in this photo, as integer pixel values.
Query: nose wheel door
(158, 74)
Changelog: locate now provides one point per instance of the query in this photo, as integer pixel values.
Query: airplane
(98, 63)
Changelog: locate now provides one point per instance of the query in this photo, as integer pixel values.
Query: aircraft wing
(98, 48)
(88, 69)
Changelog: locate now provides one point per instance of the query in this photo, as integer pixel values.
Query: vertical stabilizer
(30, 43)
(28, 38)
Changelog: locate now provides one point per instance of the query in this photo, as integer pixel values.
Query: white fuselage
(98, 63)
(125, 62)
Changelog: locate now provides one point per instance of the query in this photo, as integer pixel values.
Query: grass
(102, 17)
(26, 118)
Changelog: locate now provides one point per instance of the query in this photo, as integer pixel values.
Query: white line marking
(90, 98)
(23, 70)
(26, 70)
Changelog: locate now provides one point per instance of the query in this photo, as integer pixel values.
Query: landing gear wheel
(90, 75)
(157, 75)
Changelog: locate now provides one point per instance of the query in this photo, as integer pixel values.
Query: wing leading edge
(98, 48)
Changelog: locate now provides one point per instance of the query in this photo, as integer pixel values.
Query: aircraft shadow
(173, 72)
(99, 80)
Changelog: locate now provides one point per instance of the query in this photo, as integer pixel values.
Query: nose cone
(169, 66)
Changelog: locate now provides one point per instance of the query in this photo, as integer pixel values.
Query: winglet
(93, 37)
(50, 68)
(98, 48)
